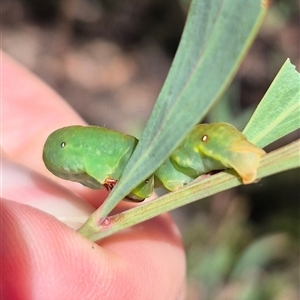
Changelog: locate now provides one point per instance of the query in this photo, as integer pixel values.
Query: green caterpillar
(96, 157)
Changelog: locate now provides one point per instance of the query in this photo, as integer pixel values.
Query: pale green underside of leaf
(216, 37)
(278, 113)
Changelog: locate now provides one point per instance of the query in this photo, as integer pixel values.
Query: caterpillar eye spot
(63, 145)
(147, 180)
(204, 138)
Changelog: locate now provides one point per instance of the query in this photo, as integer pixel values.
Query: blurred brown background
(109, 59)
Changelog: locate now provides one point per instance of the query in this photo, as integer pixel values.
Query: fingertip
(45, 258)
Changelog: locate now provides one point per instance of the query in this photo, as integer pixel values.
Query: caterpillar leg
(171, 178)
(109, 184)
(142, 191)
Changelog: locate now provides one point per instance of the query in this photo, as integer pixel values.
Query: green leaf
(215, 39)
(278, 113)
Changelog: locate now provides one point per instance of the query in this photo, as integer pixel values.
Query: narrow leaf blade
(210, 51)
(278, 113)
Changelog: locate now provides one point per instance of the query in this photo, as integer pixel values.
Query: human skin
(43, 258)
